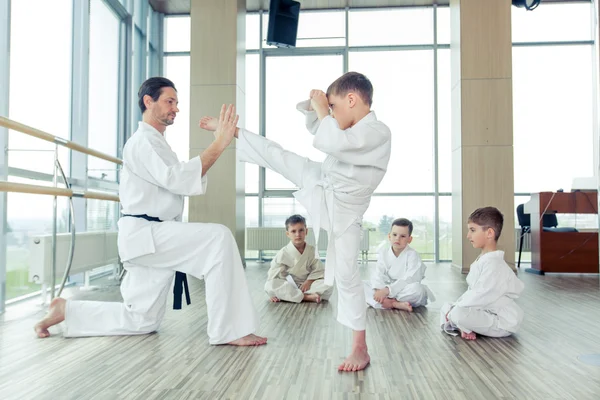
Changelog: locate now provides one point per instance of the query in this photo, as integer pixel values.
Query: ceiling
(183, 6)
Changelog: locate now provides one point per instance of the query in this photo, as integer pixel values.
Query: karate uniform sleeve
(359, 145)
(379, 277)
(317, 270)
(278, 268)
(310, 117)
(485, 290)
(414, 273)
(183, 178)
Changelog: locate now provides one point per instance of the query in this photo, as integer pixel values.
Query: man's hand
(381, 294)
(319, 103)
(227, 125)
(306, 286)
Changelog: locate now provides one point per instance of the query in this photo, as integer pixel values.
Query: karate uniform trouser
(413, 293)
(352, 308)
(205, 251)
(284, 290)
(473, 320)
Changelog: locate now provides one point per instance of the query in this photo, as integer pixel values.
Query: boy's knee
(458, 315)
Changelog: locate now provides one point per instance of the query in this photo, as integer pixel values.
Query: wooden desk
(575, 252)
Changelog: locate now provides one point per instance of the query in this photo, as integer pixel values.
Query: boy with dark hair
(400, 270)
(488, 306)
(296, 273)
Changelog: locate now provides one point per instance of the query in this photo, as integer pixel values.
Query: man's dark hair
(153, 88)
(295, 219)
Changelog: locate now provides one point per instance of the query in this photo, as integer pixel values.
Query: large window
(103, 88)
(289, 81)
(403, 100)
(76, 93)
(397, 49)
(39, 99)
(553, 100)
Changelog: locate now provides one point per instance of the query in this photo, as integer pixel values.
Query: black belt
(181, 282)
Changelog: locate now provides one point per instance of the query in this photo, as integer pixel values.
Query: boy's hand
(381, 294)
(306, 286)
(319, 103)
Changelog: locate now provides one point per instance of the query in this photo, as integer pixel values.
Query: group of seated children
(487, 307)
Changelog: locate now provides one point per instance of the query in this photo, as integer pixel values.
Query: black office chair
(549, 224)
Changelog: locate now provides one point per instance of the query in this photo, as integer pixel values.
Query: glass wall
(406, 54)
(82, 92)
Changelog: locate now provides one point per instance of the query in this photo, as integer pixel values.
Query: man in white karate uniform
(153, 242)
(488, 306)
(337, 192)
(296, 272)
(396, 282)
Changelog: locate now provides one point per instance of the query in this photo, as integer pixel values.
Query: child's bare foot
(274, 299)
(403, 305)
(313, 298)
(249, 340)
(399, 305)
(56, 315)
(388, 303)
(356, 361)
(209, 123)
(468, 336)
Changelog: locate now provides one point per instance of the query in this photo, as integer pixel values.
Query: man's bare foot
(312, 298)
(249, 340)
(468, 336)
(56, 315)
(356, 361)
(209, 123)
(274, 299)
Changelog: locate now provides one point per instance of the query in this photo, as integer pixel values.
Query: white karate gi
(488, 306)
(301, 267)
(402, 275)
(336, 193)
(154, 182)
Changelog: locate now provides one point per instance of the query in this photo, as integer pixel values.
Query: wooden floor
(411, 358)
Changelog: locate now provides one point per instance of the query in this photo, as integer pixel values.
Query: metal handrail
(52, 191)
(17, 126)
(56, 191)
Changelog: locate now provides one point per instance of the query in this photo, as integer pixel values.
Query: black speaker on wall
(283, 23)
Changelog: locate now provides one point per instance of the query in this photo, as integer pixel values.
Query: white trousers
(413, 293)
(352, 308)
(284, 290)
(205, 251)
(472, 320)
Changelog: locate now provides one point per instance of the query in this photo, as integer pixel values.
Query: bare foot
(468, 336)
(403, 305)
(56, 315)
(209, 123)
(249, 340)
(356, 361)
(388, 303)
(312, 298)
(274, 299)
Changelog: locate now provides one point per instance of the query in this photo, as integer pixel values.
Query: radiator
(92, 250)
(275, 239)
